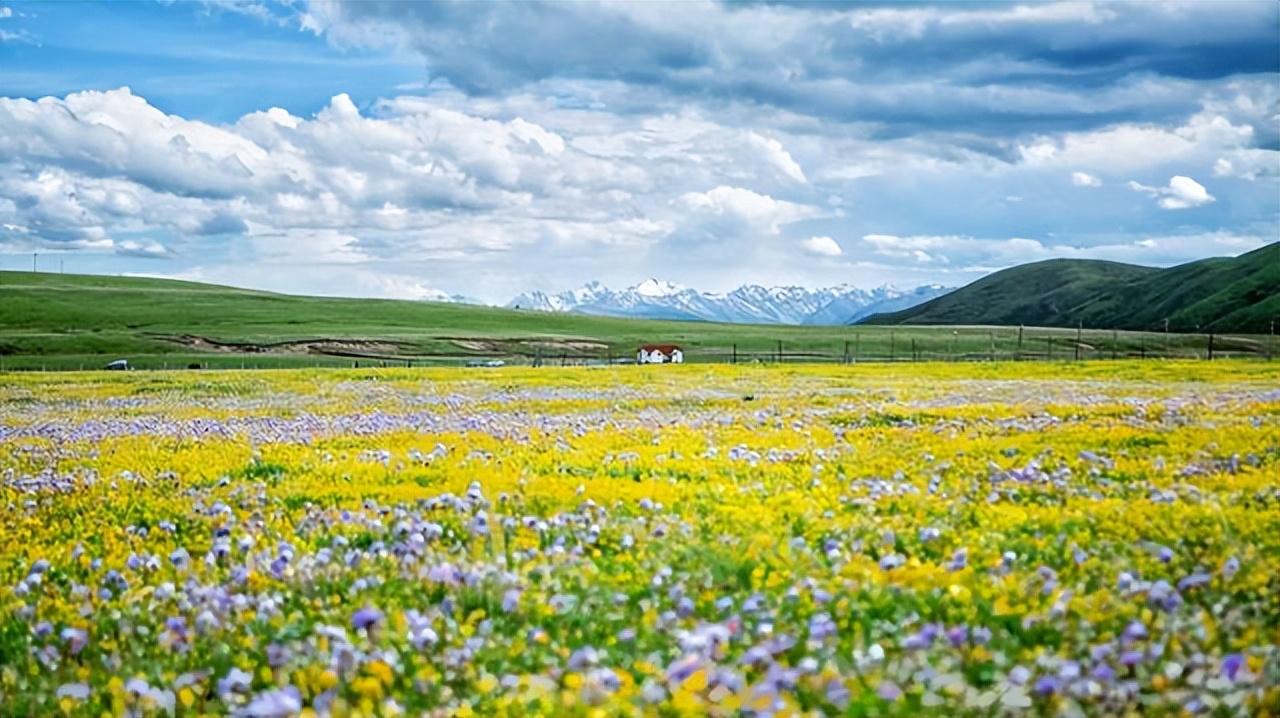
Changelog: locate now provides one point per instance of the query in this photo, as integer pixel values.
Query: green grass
(56, 321)
(1237, 294)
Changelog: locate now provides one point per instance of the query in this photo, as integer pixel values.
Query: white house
(660, 354)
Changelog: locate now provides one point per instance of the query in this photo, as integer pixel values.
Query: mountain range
(1237, 294)
(753, 304)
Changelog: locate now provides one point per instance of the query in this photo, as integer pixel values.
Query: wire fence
(933, 344)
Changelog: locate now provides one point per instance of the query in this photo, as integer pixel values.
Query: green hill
(1237, 294)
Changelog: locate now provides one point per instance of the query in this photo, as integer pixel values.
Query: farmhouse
(660, 354)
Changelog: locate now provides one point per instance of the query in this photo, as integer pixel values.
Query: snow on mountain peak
(659, 299)
(656, 288)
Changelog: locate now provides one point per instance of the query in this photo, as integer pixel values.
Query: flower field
(939, 539)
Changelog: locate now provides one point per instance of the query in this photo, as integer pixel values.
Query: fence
(860, 345)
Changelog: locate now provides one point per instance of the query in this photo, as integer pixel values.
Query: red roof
(664, 348)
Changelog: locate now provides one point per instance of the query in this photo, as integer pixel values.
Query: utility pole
(735, 353)
(779, 351)
(35, 256)
(846, 351)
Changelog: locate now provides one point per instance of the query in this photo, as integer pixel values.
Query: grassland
(56, 321)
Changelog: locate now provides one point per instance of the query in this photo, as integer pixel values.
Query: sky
(396, 149)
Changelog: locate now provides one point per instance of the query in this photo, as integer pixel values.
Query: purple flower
(365, 618)
(276, 703)
(1046, 686)
(889, 691)
(1194, 580)
(236, 681)
(76, 639)
(1135, 630)
(277, 655)
(1232, 664)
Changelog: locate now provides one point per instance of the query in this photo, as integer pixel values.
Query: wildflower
(366, 618)
(1232, 664)
(275, 703)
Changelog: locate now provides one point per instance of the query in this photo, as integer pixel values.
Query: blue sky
(401, 149)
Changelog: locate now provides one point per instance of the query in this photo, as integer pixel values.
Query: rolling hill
(65, 321)
(1224, 294)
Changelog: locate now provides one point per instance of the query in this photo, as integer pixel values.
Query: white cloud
(1131, 146)
(776, 155)
(822, 247)
(1181, 193)
(736, 209)
(1248, 164)
(1084, 179)
(148, 248)
(969, 254)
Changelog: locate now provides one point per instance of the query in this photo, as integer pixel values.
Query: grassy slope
(1221, 294)
(76, 320)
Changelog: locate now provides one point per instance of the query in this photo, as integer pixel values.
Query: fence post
(1049, 341)
(1210, 346)
(1079, 336)
(1144, 347)
(846, 351)
(857, 347)
(1115, 339)
(779, 351)
(1019, 356)
(992, 336)
(893, 346)
(914, 356)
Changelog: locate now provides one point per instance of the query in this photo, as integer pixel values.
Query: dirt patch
(482, 345)
(328, 346)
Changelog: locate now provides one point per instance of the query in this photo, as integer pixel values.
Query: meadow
(996, 538)
(75, 322)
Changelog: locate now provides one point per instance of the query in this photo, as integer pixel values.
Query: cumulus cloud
(149, 249)
(1181, 193)
(966, 254)
(822, 247)
(994, 67)
(729, 210)
(1084, 179)
(550, 143)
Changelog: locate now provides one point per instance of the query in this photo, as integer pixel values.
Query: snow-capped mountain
(657, 299)
(435, 295)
